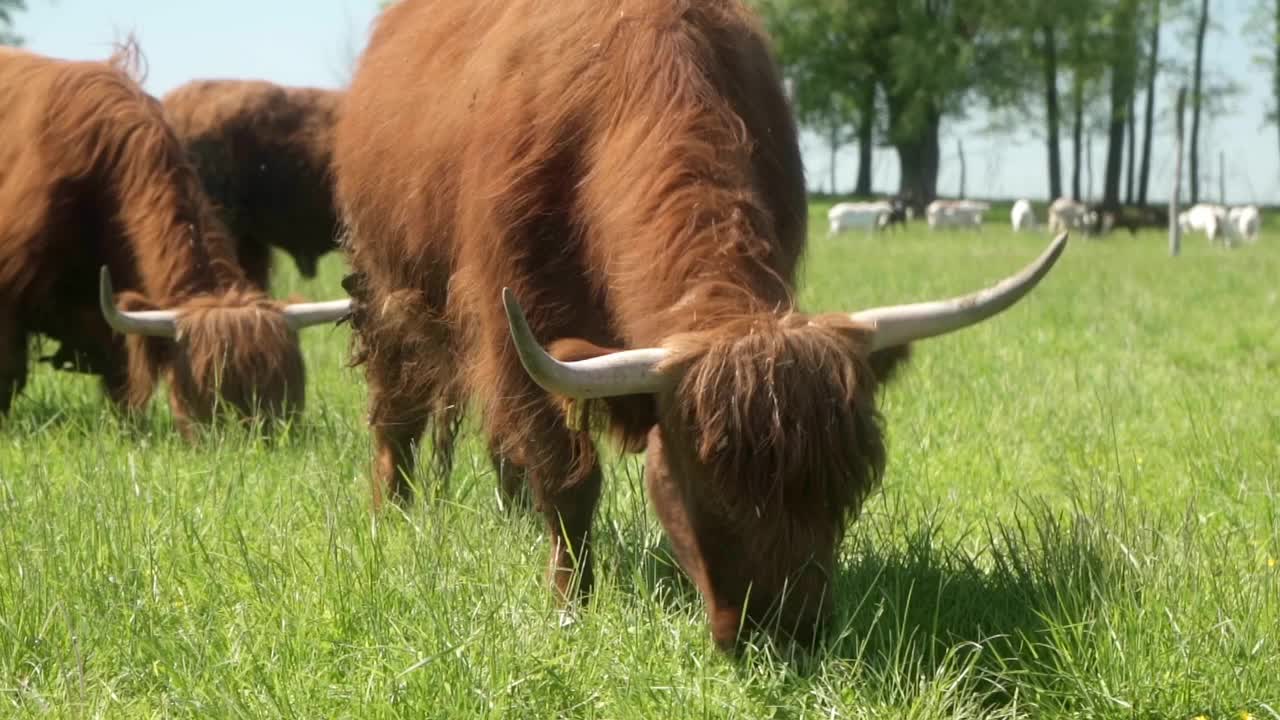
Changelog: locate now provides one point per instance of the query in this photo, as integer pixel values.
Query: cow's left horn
(156, 323)
(901, 324)
(629, 372)
(301, 315)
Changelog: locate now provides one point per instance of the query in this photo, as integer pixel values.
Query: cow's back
(23, 107)
(457, 108)
(29, 173)
(263, 152)
(94, 176)
(256, 142)
(423, 98)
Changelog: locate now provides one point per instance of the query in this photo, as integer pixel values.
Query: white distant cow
(871, 216)
(1228, 226)
(1066, 214)
(955, 213)
(1245, 222)
(1207, 218)
(1022, 217)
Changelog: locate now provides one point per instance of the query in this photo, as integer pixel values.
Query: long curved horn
(301, 315)
(630, 372)
(901, 324)
(155, 323)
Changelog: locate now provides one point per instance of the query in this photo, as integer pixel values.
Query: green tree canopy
(7, 10)
(928, 58)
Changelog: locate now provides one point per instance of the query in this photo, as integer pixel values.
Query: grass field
(1081, 518)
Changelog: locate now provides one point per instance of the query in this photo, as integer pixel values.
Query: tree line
(889, 73)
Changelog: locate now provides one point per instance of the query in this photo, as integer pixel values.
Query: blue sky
(311, 42)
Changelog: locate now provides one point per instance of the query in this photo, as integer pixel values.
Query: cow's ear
(629, 418)
(575, 349)
(885, 363)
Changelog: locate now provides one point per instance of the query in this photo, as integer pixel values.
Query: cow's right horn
(629, 372)
(155, 323)
(901, 324)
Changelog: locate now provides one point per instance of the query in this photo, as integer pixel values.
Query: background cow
(635, 179)
(1244, 223)
(1066, 214)
(1137, 217)
(1022, 216)
(1208, 218)
(263, 152)
(92, 179)
(900, 212)
(1228, 226)
(869, 216)
(955, 213)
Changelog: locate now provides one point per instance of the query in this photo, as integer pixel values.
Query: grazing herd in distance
(1221, 225)
(613, 247)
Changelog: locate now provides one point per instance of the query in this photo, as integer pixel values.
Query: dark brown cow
(631, 174)
(94, 184)
(1135, 217)
(263, 152)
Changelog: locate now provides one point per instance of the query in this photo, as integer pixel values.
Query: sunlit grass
(1079, 520)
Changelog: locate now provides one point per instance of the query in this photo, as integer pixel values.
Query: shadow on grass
(40, 410)
(915, 602)
(917, 598)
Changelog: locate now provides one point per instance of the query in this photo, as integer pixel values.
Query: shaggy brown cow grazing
(631, 173)
(263, 152)
(94, 183)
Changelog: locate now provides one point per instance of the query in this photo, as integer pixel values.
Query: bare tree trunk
(1088, 170)
(960, 150)
(1051, 110)
(1175, 229)
(1113, 170)
(1153, 68)
(1196, 101)
(1132, 145)
(1222, 178)
(919, 154)
(919, 159)
(1122, 57)
(866, 138)
(1077, 131)
(834, 140)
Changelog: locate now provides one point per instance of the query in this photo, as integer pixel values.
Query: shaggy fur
(632, 172)
(263, 152)
(91, 175)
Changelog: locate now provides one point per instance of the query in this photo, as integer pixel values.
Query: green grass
(1080, 519)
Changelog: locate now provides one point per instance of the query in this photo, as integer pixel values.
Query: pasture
(1080, 518)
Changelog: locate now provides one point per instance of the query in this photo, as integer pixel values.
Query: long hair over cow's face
(233, 353)
(772, 439)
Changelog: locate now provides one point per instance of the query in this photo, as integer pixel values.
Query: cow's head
(235, 351)
(768, 439)
(900, 212)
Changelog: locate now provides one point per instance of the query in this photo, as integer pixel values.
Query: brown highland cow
(263, 152)
(94, 187)
(630, 173)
